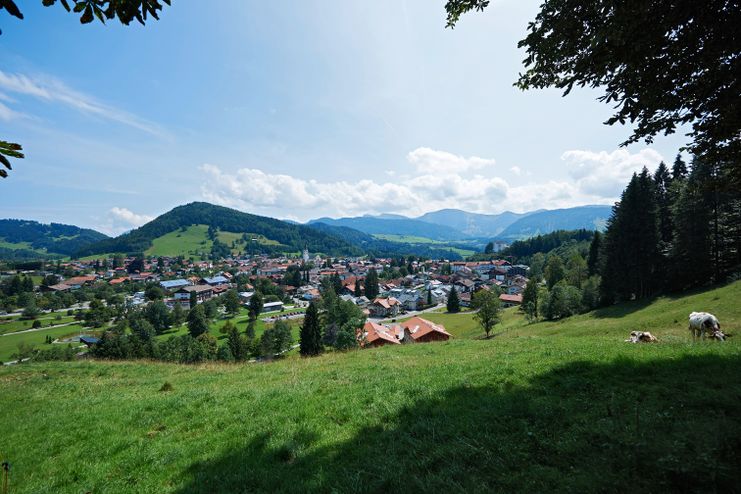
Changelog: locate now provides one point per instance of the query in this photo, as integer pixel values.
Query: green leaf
(5, 162)
(87, 17)
(11, 7)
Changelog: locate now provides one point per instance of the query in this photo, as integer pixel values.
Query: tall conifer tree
(631, 251)
(310, 336)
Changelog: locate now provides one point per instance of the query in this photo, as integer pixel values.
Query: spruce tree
(530, 299)
(310, 336)
(679, 170)
(663, 182)
(593, 261)
(691, 256)
(371, 284)
(454, 303)
(631, 252)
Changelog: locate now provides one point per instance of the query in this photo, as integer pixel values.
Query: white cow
(702, 322)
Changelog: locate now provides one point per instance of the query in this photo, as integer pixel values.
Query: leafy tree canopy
(662, 63)
(123, 10)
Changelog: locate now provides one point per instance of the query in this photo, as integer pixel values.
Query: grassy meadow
(15, 323)
(194, 241)
(9, 342)
(556, 407)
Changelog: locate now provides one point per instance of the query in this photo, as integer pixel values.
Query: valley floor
(558, 407)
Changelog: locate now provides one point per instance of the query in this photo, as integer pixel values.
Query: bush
(36, 324)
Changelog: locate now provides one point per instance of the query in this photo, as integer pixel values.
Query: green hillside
(565, 407)
(25, 240)
(194, 242)
(294, 237)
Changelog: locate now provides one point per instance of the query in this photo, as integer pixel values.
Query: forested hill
(546, 243)
(292, 237)
(52, 238)
(385, 248)
(542, 222)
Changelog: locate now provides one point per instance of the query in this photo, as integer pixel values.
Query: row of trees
(671, 231)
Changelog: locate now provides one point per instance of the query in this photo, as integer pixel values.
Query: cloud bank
(436, 180)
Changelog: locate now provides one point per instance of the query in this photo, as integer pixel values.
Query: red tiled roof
(79, 280)
(515, 299)
(386, 303)
(419, 327)
(373, 331)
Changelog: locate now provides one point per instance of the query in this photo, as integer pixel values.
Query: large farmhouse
(414, 330)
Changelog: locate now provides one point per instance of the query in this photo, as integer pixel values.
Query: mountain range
(454, 224)
(447, 233)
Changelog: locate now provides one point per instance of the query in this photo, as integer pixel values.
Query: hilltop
(564, 406)
(276, 235)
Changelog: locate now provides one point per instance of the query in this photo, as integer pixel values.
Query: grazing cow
(642, 337)
(704, 322)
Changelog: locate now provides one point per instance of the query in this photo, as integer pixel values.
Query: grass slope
(194, 242)
(544, 407)
(665, 317)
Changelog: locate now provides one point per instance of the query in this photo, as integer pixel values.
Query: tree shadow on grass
(668, 425)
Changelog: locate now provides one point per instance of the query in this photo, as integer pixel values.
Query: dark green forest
(53, 238)
(672, 230)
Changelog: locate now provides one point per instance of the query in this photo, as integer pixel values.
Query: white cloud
(53, 90)
(8, 114)
(428, 160)
(606, 174)
(120, 220)
(129, 217)
(442, 180)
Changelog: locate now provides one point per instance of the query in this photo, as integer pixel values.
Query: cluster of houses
(426, 284)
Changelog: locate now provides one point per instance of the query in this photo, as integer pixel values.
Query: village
(385, 290)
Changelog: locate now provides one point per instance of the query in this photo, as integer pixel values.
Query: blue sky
(295, 110)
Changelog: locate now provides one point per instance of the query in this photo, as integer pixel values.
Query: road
(406, 314)
(42, 328)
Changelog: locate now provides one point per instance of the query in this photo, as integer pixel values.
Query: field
(462, 250)
(15, 323)
(194, 242)
(15, 245)
(556, 407)
(9, 342)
